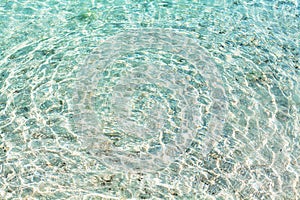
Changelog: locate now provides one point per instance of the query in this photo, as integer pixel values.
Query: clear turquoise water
(149, 99)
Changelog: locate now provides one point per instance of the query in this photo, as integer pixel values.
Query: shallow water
(149, 100)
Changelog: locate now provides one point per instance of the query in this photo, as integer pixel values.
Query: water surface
(149, 100)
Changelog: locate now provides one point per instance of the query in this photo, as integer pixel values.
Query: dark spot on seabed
(4, 74)
(48, 52)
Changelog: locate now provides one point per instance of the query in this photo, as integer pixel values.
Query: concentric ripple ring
(142, 97)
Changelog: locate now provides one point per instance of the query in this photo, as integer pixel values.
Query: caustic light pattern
(143, 95)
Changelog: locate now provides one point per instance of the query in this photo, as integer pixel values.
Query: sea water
(149, 99)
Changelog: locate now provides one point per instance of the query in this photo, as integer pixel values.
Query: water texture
(144, 93)
(149, 99)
